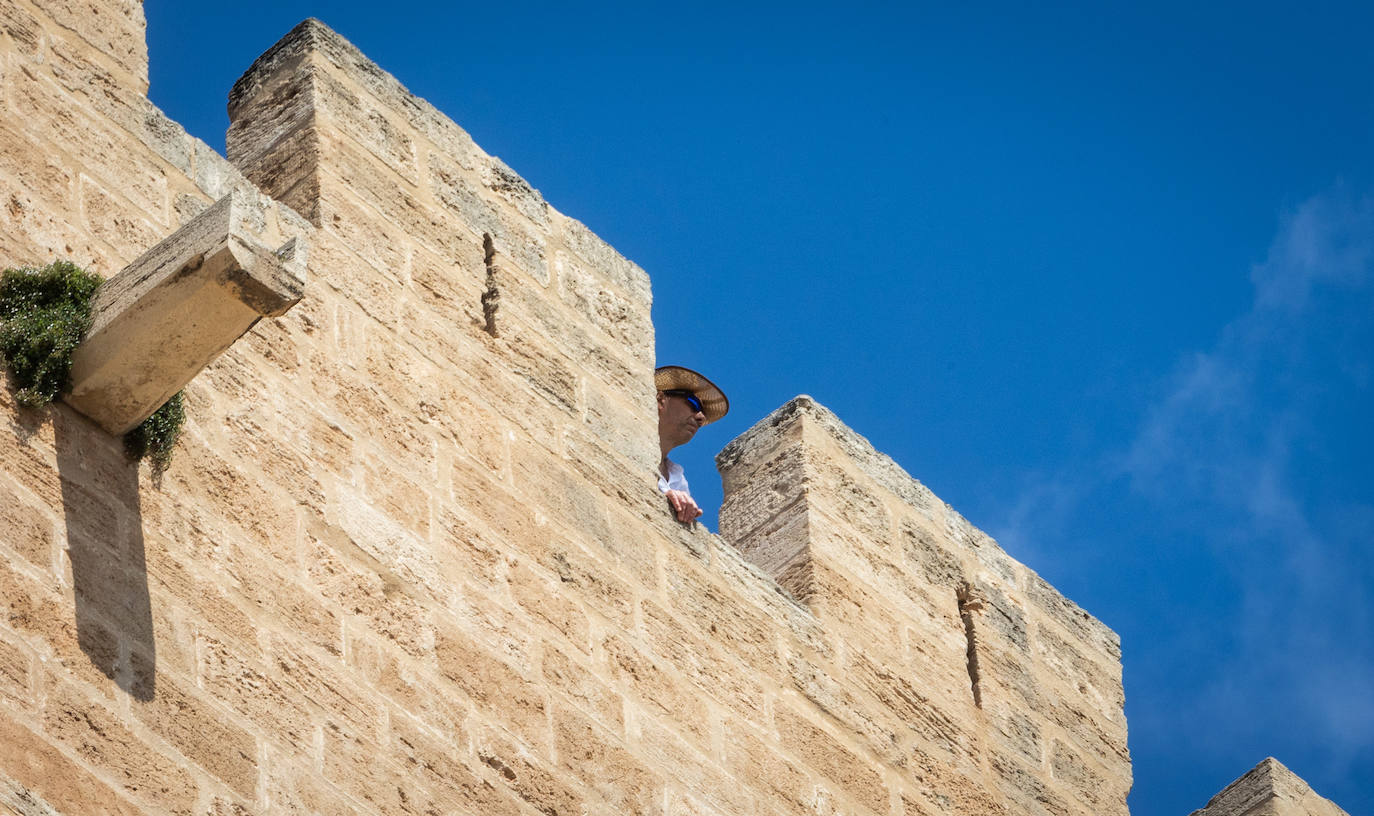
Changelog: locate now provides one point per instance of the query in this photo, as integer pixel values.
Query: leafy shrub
(44, 313)
(158, 434)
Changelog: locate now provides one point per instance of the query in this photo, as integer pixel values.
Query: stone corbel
(177, 307)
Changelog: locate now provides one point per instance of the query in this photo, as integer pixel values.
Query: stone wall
(951, 661)
(1269, 789)
(409, 556)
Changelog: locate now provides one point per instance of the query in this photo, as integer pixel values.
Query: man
(686, 401)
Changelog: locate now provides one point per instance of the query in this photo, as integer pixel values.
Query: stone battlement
(410, 558)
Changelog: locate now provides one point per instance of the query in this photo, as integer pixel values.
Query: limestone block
(96, 734)
(582, 689)
(802, 489)
(705, 664)
(1073, 618)
(54, 780)
(113, 221)
(881, 733)
(331, 694)
(214, 175)
(168, 139)
(541, 602)
(202, 735)
(757, 764)
(611, 772)
(657, 691)
(764, 513)
(82, 138)
(313, 36)
(358, 117)
(1028, 791)
(818, 750)
(624, 274)
(245, 684)
(14, 673)
(589, 581)
(624, 366)
(39, 618)
(925, 553)
(491, 682)
(30, 531)
(690, 768)
(465, 200)
(939, 719)
(1078, 777)
(288, 172)
(96, 88)
(40, 176)
(294, 786)
(115, 28)
(911, 589)
(736, 625)
(526, 776)
(271, 100)
(179, 306)
(615, 475)
(22, 28)
(1269, 789)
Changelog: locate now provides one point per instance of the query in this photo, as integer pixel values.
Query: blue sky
(1100, 275)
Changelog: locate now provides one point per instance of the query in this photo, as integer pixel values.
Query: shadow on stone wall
(114, 620)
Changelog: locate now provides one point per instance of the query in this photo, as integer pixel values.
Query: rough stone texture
(1269, 789)
(179, 305)
(409, 556)
(951, 654)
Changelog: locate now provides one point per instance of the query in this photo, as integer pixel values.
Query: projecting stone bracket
(181, 304)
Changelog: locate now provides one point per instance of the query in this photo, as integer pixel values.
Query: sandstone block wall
(951, 661)
(1269, 789)
(409, 557)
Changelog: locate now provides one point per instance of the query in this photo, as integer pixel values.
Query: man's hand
(683, 506)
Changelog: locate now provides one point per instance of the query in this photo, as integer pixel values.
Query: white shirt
(676, 480)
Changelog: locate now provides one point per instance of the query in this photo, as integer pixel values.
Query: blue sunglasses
(692, 400)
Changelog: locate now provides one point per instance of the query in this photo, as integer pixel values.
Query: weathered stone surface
(490, 683)
(15, 685)
(96, 734)
(181, 304)
(818, 750)
(201, 734)
(527, 776)
(879, 558)
(409, 557)
(617, 781)
(51, 781)
(1269, 789)
(21, 27)
(115, 28)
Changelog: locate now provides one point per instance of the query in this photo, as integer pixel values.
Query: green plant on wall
(44, 314)
(156, 436)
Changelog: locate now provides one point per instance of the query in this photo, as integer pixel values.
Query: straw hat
(676, 378)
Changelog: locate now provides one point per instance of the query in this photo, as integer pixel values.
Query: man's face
(678, 421)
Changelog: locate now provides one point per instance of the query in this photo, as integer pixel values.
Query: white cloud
(1231, 452)
(1226, 435)
(1040, 513)
(1231, 416)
